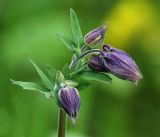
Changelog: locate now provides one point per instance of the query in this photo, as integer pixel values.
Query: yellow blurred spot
(127, 18)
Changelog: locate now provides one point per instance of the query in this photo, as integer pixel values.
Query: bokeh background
(28, 29)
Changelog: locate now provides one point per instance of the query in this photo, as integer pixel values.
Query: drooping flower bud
(70, 101)
(120, 64)
(95, 36)
(95, 63)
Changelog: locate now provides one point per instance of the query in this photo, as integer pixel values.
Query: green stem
(86, 53)
(83, 47)
(61, 123)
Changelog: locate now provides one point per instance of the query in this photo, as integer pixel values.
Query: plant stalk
(61, 123)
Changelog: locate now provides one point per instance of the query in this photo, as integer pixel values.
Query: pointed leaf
(31, 86)
(76, 30)
(52, 73)
(44, 78)
(65, 70)
(66, 42)
(91, 75)
(83, 85)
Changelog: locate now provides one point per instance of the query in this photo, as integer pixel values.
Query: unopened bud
(120, 64)
(69, 100)
(95, 63)
(95, 36)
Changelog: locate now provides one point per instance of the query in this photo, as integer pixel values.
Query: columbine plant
(87, 63)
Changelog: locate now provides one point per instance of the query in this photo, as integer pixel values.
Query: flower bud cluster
(107, 60)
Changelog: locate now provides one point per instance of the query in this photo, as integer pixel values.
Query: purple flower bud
(69, 100)
(95, 36)
(95, 63)
(120, 64)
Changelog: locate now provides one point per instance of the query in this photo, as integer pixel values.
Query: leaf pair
(30, 86)
(48, 84)
(76, 33)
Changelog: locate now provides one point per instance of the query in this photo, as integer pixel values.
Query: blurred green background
(28, 30)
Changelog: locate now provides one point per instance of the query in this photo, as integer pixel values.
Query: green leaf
(30, 86)
(52, 73)
(76, 30)
(91, 75)
(44, 78)
(53, 93)
(83, 85)
(48, 95)
(65, 70)
(66, 42)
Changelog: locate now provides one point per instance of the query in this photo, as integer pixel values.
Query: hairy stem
(61, 123)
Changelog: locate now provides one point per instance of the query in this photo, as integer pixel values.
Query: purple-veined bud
(95, 63)
(70, 101)
(120, 64)
(95, 36)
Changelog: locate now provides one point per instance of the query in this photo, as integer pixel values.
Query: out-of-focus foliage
(28, 31)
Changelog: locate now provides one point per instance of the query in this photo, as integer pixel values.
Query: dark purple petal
(122, 55)
(120, 64)
(95, 63)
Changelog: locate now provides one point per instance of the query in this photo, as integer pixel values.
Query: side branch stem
(84, 54)
(88, 52)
